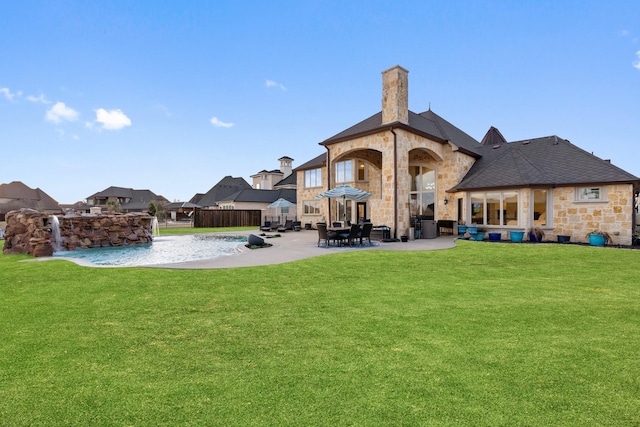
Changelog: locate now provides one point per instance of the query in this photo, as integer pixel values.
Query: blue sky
(173, 96)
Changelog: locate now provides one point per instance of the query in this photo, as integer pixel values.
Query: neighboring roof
(428, 124)
(547, 161)
(253, 195)
(493, 137)
(316, 162)
(226, 186)
(17, 195)
(263, 171)
(136, 199)
(178, 205)
(288, 181)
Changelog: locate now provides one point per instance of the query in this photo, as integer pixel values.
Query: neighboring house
(128, 199)
(180, 211)
(419, 166)
(16, 195)
(261, 199)
(225, 187)
(268, 180)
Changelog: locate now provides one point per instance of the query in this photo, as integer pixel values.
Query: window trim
(602, 194)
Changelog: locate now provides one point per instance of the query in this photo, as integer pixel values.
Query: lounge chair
(288, 225)
(266, 226)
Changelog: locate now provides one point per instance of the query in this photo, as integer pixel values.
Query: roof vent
(495, 147)
(526, 142)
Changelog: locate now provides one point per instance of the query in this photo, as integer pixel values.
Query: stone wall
(30, 232)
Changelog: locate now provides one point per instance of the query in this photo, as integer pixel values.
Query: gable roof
(288, 181)
(226, 186)
(16, 195)
(427, 124)
(493, 137)
(547, 161)
(136, 199)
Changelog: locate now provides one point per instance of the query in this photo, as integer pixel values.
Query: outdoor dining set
(339, 234)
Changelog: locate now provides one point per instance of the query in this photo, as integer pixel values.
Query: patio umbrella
(346, 192)
(280, 203)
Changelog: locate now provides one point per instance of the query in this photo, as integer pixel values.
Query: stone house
(421, 167)
(125, 199)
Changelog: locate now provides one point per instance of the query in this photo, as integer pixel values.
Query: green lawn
(486, 334)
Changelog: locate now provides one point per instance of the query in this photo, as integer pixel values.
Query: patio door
(361, 208)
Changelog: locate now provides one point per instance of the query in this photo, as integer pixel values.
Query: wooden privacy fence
(226, 218)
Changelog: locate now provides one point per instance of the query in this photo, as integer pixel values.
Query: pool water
(163, 250)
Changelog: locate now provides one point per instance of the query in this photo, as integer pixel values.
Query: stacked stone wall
(30, 232)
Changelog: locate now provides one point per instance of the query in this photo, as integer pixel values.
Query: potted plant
(536, 234)
(479, 235)
(563, 238)
(598, 238)
(462, 227)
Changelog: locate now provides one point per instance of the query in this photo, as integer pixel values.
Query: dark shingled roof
(317, 162)
(428, 124)
(226, 186)
(493, 137)
(18, 195)
(261, 196)
(547, 161)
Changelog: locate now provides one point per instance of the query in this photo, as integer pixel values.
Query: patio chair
(323, 234)
(352, 236)
(365, 233)
(288, 225)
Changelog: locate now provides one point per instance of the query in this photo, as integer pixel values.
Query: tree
(156, 209)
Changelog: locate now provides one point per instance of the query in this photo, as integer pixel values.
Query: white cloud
(270, 83)
(60, 112)
(38, 99)
(636, 64)
(7, 93)
(219, 123)
(112, 119)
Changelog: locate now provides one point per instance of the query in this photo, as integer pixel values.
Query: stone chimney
(285, 166)
(395, 95)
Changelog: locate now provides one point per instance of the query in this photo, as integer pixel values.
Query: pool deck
(297, 245)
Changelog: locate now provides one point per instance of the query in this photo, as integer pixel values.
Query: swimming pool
(163, 250)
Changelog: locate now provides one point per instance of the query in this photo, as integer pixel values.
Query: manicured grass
(484, 334)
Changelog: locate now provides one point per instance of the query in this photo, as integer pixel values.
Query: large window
(344, 171)
(423, 191)
(495, 208)
(361, 171)
(541, 205)
(313, 178)
(311, 207)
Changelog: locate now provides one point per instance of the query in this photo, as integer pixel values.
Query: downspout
(395, 183)
(328, 219)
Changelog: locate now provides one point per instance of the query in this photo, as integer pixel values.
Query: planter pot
(495, 237)
(563, 239)
(597, 240)
(472, 229)
(479, 236)
(404, 238)
(516, 236)
(534, 239)
(461, 230)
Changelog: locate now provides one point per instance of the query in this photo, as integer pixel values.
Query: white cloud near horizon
(636, 64)
(60, 112)
(219, 123)
(112, 119)
(270, 83)
(8, 94)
